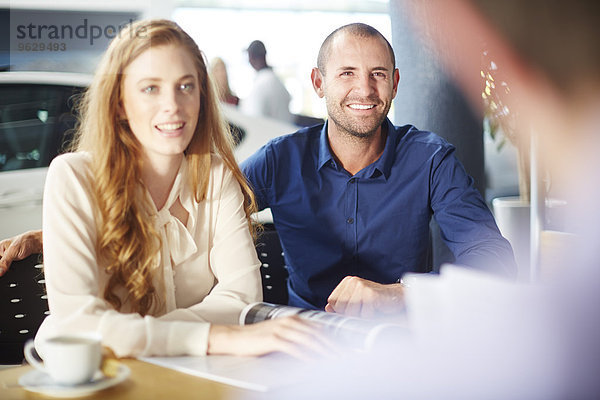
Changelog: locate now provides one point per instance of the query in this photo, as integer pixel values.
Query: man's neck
(260, 67)
(355, 153)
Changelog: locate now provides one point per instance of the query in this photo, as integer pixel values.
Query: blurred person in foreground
(268, 96)
(545, 344)
(552, 57)
(352, 199)
(147, 223)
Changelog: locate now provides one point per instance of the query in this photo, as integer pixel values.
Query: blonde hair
(127, 242)
(218, 73)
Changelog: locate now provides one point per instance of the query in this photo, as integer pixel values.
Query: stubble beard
(353, 127)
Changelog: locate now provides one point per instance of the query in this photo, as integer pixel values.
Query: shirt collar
(386, 161)
(380, 167)
(325, 155)
(181, 189)
(178, 243)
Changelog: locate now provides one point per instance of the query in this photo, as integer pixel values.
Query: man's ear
(317, 81)
(396, 81)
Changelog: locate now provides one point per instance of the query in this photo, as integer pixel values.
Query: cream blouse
(208, 268)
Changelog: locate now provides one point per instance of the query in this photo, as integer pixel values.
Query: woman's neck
(158, 176)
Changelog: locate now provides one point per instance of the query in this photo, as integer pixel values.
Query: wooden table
(147, 381)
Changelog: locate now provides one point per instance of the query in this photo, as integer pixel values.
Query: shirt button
(350, 220)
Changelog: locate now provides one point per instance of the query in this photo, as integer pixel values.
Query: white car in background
(35, 120)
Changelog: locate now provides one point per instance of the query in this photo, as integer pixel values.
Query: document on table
(253, 373)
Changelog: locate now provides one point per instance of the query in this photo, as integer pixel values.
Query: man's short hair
(257, 49)
(355, 29)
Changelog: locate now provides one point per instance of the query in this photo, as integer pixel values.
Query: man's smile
(361, 106)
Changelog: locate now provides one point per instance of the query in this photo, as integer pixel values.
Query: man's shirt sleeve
(258, 172)
(466, 223)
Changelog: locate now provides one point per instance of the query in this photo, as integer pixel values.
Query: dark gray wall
(428, 99)
(4, 38)
(78, 38)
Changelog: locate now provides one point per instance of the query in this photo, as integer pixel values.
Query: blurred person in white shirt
(268, 96)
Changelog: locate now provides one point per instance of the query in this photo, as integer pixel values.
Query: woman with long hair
(147, 229)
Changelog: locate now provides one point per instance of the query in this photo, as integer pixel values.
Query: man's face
(358, 85)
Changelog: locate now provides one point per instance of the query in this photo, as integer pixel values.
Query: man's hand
(362, 298)
(19, 247)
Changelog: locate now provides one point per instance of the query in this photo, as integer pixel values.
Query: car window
(35, 122)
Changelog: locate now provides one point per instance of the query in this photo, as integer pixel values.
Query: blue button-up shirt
(374, 224)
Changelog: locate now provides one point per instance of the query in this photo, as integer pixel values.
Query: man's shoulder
(299, 140)
(266, 77)
(410, 134)
(286, 149)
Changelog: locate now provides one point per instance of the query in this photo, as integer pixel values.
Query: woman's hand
(19, 247)
(292, 335)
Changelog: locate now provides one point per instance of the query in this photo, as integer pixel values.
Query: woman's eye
(186, 87)
(149, 89)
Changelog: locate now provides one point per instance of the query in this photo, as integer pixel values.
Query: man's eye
(347, 73)
(379, 74)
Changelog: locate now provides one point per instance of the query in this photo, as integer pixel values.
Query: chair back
(273, 270)
(23, 307)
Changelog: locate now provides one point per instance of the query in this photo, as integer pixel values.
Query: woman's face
(161, 100)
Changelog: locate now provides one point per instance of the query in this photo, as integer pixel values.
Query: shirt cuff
(189, 338)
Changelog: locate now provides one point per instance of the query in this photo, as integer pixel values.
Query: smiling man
(352, 199)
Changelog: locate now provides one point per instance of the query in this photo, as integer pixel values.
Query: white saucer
(39, 382)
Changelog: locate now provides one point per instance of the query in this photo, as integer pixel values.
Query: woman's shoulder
(71, 165)
(221, 175)
(218, 167)
(76, 161)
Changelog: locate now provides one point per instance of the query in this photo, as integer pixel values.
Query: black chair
(24, 304)
(273, 270)
(23, 307)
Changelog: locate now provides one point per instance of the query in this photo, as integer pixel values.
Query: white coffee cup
(68, 359)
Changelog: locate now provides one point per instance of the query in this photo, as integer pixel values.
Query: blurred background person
(218, 71)
(268, 96)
